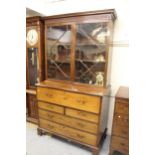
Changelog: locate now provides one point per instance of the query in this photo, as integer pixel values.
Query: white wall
(120, 49)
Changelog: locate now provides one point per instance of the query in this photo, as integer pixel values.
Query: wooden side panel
(103, 117)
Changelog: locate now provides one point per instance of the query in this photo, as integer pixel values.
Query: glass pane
(90, 53)
(58, 54)
(32, 66)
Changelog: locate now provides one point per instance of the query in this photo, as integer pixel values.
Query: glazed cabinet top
(77, 47)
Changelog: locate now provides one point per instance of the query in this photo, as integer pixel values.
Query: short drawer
(121, 119)
(68, 132)
(71, 122)
(122, 131)
(121, 107)
(51, 107)
(82, 115)
(120, 144)
(74, 100)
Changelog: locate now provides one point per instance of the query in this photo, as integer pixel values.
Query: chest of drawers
(120, 130)
(74, 113)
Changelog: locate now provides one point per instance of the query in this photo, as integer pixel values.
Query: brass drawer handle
(81, 113)
(80, 136)
(122, 144)
(50, 126)
(50, 116)
(51, 107)
(64, 98)
(49, 95)
(119, 116)
(81, 101)
(80, 124)
(124, 132)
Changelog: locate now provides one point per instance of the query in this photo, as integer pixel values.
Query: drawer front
(120, 144)
(122, 131)
(71, 122)
(83, 115)
(68, 132)
(74, 100)
(121, 119)
(51, 107)
(121, 107)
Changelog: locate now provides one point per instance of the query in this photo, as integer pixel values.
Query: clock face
(32, 37)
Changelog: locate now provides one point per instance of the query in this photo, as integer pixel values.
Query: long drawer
(71, 122)
(121, 144)
(68, 99)
(68, 132)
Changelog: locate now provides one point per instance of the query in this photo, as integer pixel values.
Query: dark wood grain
(120, 127)
(38, 24)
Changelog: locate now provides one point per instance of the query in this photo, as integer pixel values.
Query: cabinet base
(95, 149)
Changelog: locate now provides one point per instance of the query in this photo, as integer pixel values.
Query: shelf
(90, 61)
(90, 44)
(58, 61)
(57, 42)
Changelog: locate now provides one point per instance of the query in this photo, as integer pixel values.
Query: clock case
(34, 66)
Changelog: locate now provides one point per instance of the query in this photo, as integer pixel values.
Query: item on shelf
(99, 34)
(79, 54)
(99, 58)
(53, 53)
(63, 53)
(90, 82)
(99, 79)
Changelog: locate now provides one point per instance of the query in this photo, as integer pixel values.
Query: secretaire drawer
(69, 99)
(121, 144)
(68, 132)
(71, 122)
(122, 107)
(51, 107)
(82, 115)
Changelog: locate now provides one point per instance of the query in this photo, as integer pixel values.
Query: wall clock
(32, 37)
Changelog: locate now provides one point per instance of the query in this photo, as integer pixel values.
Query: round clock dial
(32, 37)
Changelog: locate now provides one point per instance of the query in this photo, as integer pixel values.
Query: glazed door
(90, 52)
(58, 50)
